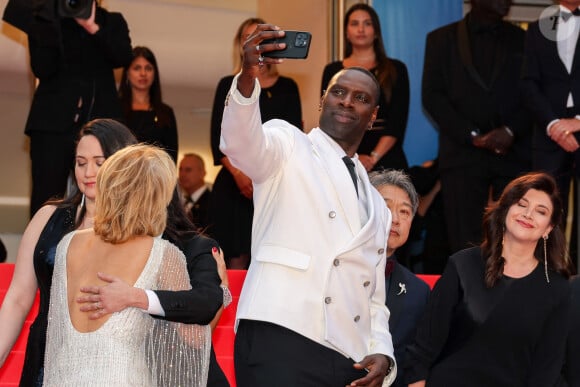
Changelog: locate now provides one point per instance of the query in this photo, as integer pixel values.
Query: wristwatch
(227, 296)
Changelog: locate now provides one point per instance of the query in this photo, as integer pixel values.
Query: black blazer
(75, 71)
(200, 212)
(547, 83)
(571, 371)
(200, 304)
(406, 308)
(458, 100)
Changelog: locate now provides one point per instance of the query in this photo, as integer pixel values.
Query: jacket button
(381, 251)
(336, 262)
(327, 300)
(356, 318)
(332, 214)
(366, 283)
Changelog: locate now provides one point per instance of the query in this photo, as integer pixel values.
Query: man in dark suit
(551, 81)
(196, 195)
(407, 295)
(471, 90)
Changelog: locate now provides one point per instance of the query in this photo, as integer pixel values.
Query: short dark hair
(377, 91)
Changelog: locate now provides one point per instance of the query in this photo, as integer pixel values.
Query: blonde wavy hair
(238, 51)
(134, 188)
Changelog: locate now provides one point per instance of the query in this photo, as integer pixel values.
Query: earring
(83, 201)
(546, 259)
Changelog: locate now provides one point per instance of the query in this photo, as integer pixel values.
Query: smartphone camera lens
(301, 40)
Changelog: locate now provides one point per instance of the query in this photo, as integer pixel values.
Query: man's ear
(373, 117)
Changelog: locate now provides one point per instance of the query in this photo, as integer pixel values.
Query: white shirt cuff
(550, 125)
(239, 98)
(154, 304)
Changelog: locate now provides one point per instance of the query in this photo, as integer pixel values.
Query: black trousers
(268, 355)
(52, 160)
(465, 193)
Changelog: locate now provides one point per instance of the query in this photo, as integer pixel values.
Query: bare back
(87, 255)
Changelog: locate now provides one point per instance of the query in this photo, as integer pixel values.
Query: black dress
(510, 335)
(571, 371)
(391, 117)
(60, 223)
(231, 211)
(155, 127)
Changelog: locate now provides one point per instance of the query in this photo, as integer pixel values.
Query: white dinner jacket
(315, 269)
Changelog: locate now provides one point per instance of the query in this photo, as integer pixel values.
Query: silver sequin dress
(131, 348)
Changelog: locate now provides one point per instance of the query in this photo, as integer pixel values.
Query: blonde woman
(134, 188)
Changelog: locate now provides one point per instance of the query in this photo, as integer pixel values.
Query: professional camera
(74, 8)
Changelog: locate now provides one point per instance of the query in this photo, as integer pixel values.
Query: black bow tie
(568, 15)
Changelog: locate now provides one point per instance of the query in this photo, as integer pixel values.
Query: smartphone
(297, 45)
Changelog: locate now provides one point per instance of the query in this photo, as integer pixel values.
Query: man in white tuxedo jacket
(312, 309)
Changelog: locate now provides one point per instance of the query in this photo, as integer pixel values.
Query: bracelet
(375, 156)
(227, 296)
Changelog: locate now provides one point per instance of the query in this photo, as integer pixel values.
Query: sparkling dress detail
(131, 348)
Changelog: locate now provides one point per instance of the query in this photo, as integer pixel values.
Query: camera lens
(301, 40)
(73, 4)
(74, 8)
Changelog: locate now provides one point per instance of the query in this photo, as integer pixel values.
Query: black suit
(464, 91)
(407, 297)
(200, 304)
(200, 212)
(76, 84)
(547, 85)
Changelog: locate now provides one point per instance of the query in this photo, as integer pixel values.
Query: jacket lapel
(339, 177)
(396, 298)
(576, 59)
(465, 53)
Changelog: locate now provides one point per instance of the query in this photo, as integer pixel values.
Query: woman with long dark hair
(151, 120)
(382, 145)
(497, 315)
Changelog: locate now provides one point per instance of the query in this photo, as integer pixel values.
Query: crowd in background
(489, 213)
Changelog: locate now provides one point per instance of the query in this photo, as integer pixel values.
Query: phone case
(297, 45)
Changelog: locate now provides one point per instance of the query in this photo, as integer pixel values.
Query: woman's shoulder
(468, 254)
(468, 259)
(226, 80)
(224, 84)
(166, 108)
(557, 281)
(198, 244)
(286, 81)
(399, 64)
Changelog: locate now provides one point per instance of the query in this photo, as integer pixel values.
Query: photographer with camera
(74, 47)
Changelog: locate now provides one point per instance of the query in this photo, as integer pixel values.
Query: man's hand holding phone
(269, 45)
